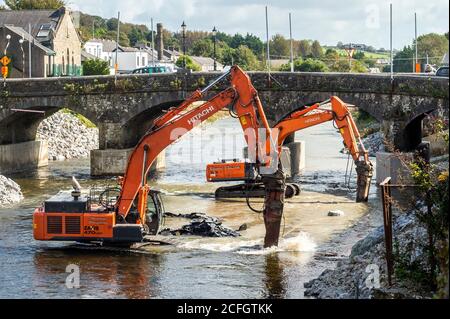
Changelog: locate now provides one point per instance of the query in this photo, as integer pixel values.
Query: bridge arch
(19, 127)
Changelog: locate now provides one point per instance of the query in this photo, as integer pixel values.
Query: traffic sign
(5, 60)
(5, 71)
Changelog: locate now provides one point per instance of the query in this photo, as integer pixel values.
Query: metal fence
(388, 200)
(65, 70)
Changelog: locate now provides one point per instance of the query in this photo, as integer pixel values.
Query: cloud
(329, 21)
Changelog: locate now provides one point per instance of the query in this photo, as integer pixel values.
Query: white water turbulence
(300, 243)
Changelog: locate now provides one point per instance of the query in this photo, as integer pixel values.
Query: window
(137, 61)
(143, 61)
(44, 30)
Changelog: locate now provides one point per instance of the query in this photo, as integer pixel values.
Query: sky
(329, 21)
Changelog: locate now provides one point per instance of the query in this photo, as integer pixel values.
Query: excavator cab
(154, 215)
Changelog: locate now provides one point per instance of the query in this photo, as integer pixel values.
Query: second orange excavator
(334, 110)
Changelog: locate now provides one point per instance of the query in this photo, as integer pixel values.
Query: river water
(195, 267)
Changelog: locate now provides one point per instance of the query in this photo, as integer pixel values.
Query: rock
(10, 192)
(67, 136)
(243, 227)
(336, 213)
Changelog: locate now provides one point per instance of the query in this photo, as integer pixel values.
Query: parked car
(442, 71)
(151, 70)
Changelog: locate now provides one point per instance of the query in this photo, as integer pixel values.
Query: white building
(207, 64)
(95, 48)
(128, 58)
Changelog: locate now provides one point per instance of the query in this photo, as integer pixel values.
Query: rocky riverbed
(373, 143)
(355, 277)
(67, 136)
(10, 192)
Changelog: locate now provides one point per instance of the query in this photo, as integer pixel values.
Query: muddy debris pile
(200, 225)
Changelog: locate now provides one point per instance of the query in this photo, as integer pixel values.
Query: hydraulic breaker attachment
(365, 174)
(275, 187)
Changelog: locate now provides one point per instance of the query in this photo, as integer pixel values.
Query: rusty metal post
(387, 216)
(275, 187)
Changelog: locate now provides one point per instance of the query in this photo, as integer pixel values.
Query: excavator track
(253, 190)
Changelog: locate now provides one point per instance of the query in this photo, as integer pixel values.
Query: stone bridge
(123, 108)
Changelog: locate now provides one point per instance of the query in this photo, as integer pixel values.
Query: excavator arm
(314, 115)
(243, 99)
(343, 120)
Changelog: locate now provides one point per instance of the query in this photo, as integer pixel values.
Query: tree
(359, 55)
(190, 64)
(304, 48)
(308, 65)
(203, 47)
(311, 65)
(245, 58)
(433, 44)
(403, 60)
(123, 38)
(34, 4)
(95, 67)
(254, 43)
(358, 67)
(340, 66)
(316, 49)
(279, 46)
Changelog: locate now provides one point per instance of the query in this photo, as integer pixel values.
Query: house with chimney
(41, 43)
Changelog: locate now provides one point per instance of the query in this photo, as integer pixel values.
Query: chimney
(159, 40)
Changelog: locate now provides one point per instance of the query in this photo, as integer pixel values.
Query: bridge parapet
(124, 107)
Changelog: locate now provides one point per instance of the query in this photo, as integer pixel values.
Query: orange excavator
(137, 210)
(297, 120)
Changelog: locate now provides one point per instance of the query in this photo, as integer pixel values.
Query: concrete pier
(23, 156)
(113, 162)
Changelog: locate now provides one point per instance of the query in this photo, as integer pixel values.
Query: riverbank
(10, 192)
(360, 271)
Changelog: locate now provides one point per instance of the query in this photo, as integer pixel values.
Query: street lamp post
(183, 28)
(23, 57)
(8, 37)
(214, 33)
(5, 64)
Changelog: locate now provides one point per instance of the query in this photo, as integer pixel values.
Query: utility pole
(392, 49)
(292, 43)
(268, 44)
(116, 65)
(93, 29)
(417, 67)
(153, 44)
(29, 51)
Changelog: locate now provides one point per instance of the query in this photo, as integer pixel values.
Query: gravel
(10, 192)
(67, 136)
